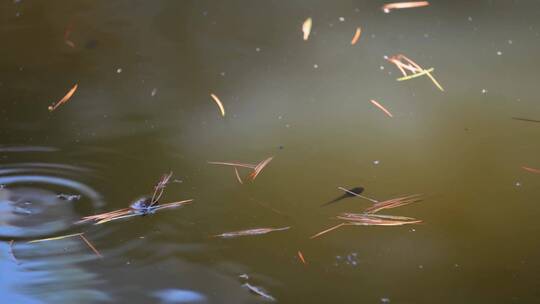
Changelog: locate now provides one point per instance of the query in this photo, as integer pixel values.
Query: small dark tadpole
(355, 190)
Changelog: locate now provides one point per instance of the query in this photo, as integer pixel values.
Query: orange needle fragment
(301, 257)
(64, 99)
(220, 105)
(533, 170)
(400, 5)
(356, 36)
(378, 105)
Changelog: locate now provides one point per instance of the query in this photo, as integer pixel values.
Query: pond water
(145, 71)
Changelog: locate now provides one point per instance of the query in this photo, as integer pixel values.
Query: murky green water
(145, 71)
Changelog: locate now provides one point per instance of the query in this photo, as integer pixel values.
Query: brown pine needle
(259, 167)
(306, 28)
(378, 105)
(55, 238)
(64, 99)
(393, 203)
(250, 166)
(301, 257)
(248, 232)
(356, 36)
(238, 176)
(220, 105)
(401, 5)
(90, 245)
(327, 230)
(533, 170)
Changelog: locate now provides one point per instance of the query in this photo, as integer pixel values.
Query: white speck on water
(470, 18)
(385, 300)
(373, 36)
(426, 35)
(484, 91)
(154, 92)
(499, 53)
(257, 49)
(375, 162)
(280, 117)
(381, 68)
(222, 74)
(341, 19)
(119, 70)
(315, 66)
(287, 126)
(510, 42)
(385, 57)
(420, 266)
(413, 230)
(456, 265)
(518, 184)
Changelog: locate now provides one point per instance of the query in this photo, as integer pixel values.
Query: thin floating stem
(90, 245)
(54, 238)
(220, 105)
(327, 230)
(401, 5)
(422, 73)
(356, 35)
(64, 99)
(378, 105)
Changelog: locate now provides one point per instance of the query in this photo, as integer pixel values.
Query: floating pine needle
(378, 105)
(64, 99)
(356, 36)
(533, 170)
(362, 219)
(301, 257)
(259, 168)
(238, 176)
(160, 187)
(220, 105)
(258, 291)
(306, 28)
(256, 231)
(55, 238)
(424, 72)
(404, 63)
(90, 245)
(12, 253)
(393, 203)
(250, 166)
(130, 212)
(401, 5)
(327, 230)
(67, 33)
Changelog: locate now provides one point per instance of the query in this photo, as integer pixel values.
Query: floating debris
(403, 63)
(140, 207)
(301, 257)
(64, 99)
(67, 33)
(259, 291)
(69, 197)
(365, 219)
(401, 5)
(393, 203)
(378, 105)
(220, 105)
(249, 232)
(356, 36)
(238, 176)
(54, 238)
(257, 168)
(90, 245)
(306, 28)
(328, 230)
(533, 170)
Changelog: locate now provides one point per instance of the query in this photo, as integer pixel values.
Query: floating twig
(220, 105)
(378, 105)
(64, 99)
(306, 28)
(403, 63)
(301, 257)
(401, 5)
(356, 36)
(256, 231)
(90, 245)
(533, 170)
